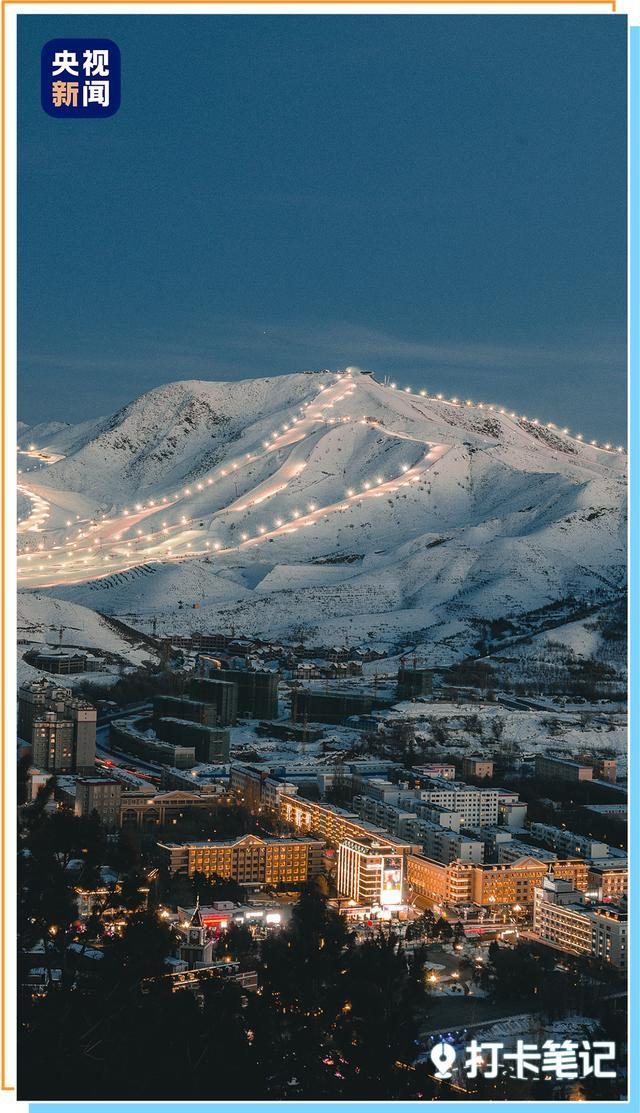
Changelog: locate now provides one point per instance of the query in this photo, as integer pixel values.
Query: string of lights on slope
(290, 433)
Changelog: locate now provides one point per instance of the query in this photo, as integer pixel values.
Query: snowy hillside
(42, 622)
(360, 512)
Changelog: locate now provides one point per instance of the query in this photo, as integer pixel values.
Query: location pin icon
(443, 1057)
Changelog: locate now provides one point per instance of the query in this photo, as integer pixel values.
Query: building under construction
(290, 731)
(180, 707)
(331, 707)
(257, 692)
(197, 642)
(211, 744)
(129, 736)
(414, 682)
(221, 693)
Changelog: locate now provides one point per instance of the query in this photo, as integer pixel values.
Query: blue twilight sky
(437, 198)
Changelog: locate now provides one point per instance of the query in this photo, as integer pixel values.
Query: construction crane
(61, 630)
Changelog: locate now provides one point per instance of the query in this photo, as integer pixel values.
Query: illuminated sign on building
(391, 890)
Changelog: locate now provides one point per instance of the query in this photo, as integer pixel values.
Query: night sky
(439, 199)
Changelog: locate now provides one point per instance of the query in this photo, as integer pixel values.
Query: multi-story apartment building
(51, 740)
(513, 849)
(581, 846)
(379, 811)
(562, 918)
(37, 697)
(438, 840)
(60, 728)
(559, 768)
(478, 807)
(83, 715)
(478, 767)
(101, 795)
(438, 770)
(258, 790)
(606, 769)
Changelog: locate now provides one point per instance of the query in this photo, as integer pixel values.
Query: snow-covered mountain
(363, 513)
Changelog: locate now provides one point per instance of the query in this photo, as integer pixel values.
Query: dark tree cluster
(331, 1019)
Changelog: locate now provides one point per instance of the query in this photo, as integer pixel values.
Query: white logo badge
(443, 1057)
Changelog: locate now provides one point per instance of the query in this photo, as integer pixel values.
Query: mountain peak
(331, 496)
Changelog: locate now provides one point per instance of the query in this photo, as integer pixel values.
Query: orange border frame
(3, 704)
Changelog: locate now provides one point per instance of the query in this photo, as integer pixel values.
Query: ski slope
(333, 502)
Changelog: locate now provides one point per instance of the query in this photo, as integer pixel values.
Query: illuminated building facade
(487, 884)
(562, 918)
(249, 860)
(332, 824)
(370, 872)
